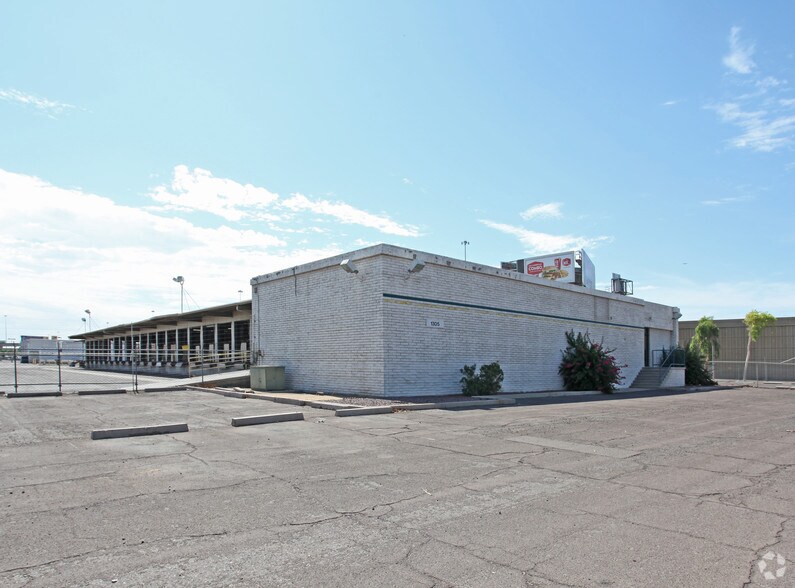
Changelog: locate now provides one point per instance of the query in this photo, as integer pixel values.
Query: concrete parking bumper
(139, 431)
(267, 418)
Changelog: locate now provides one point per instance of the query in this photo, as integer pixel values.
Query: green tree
(755, 323)
(706, 339)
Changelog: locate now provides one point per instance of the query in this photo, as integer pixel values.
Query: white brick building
(385, 331)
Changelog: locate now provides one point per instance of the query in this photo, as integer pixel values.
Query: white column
(234, 349)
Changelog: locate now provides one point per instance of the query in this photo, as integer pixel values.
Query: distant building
(774, 352)
(33, 349)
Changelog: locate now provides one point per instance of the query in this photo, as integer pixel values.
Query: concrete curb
(331, 405)
(219, 391)
(416, 406)
(299, 402)
(267, 418)
(32, 394)
(456, 404)
(344, 412)
(98, 392)
(279, 400)
(235, 394)
(139, 431)
(553, 394)
(163, 389)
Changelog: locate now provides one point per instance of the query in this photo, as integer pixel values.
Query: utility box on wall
(267, 378)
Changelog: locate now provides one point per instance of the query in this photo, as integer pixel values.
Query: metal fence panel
(757, 371)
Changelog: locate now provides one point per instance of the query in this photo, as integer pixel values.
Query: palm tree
(755, 322)
(707, 339)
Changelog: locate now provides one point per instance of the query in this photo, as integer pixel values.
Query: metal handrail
(669, 358)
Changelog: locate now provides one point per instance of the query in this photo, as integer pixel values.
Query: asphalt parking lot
(672, 490)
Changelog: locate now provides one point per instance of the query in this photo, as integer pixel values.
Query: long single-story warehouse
(389, 321)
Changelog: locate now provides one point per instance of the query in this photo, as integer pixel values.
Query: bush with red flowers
(588, 366)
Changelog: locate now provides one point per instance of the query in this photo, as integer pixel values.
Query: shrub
(487, 381)
(696, 371)
(588, 366)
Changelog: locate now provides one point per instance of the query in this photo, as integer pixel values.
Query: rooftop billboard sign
(569, 267)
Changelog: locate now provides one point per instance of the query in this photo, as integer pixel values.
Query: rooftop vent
(619, 285)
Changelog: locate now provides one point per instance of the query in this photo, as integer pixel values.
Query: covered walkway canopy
(174, 344)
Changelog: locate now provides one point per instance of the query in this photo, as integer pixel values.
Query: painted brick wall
(368, 333)
(499, 325)
(324, 325)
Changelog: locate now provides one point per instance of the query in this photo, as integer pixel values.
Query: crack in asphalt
(762, 550)
(67, 558)
(754, 483)
(37, 484)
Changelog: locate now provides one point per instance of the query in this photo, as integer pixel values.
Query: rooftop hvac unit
(619, 285)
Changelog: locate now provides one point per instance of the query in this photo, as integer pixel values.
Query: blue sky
(218, 141)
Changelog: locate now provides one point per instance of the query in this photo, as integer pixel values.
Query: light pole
(88, 312)
(85, 325)
(5, 324)
(240, 295)
(181, 281)
(465, 243)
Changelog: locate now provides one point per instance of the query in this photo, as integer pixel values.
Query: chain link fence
(67, 370)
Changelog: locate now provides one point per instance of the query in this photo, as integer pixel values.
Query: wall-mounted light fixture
(348, 266)
(417, 266)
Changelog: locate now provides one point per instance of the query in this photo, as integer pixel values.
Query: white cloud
(763, 130)
(65, 250)
(407, 181)
(536, 243)
(765, 115)
(549, 210)
(727, 200)
(671, 102)
(198, 190)
(347, 214)
(739, 58)
(769, 82)
(49, 107)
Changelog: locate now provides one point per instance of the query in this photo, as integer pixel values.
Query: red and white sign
(559, 267)
(535, 268)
